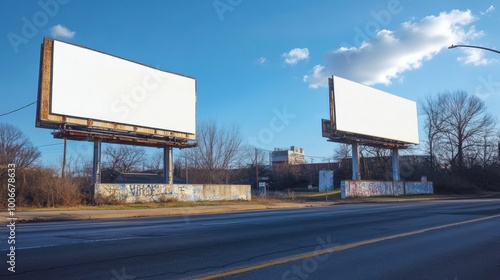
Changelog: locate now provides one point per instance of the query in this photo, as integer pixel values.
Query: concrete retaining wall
(350, 188)
(418, 188)
(131, 193)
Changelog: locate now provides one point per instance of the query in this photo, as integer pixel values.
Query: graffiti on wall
(419, 188)
(187, 192)
(155, 192)
(143, 190)
(132, 192)
(383, 188)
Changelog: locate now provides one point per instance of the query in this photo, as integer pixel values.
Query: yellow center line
(338, 249)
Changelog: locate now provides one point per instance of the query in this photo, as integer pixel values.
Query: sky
(260, 65)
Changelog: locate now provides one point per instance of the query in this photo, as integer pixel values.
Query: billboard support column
(355, 161)
(395, 165)
(168, 166)
(96, 176)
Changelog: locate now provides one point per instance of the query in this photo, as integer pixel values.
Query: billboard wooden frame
(78, 128)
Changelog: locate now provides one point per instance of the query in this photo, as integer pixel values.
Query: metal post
(187, 169)
(168, 168)
(96, 176)
(256, 171)
(63, 169)
(395, 165)
(355, 161)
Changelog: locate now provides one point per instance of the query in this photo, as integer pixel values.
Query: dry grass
(42, 187)
(132, 206)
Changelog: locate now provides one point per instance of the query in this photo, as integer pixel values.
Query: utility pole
(187, 170)
(256, 170)
(63, 169)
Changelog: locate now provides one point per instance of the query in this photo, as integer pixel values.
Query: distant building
(292, 156)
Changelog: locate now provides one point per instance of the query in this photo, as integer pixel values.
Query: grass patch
(138, 206)
(319, 196)
(375, 199)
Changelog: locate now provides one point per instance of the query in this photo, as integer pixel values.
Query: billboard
(356, 109)
(86, 88)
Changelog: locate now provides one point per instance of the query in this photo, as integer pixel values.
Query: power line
(48, 145)
(18, 109)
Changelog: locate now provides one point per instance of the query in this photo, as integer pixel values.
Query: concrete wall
(350, 188)
(419, 188)
(131, 193)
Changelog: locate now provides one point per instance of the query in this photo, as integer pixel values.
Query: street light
(476, 47)
(483, 48)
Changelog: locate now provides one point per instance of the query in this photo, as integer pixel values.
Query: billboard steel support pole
(165, 165)
(168, 167)
(96, 176)
(395, 165)
(355, 161)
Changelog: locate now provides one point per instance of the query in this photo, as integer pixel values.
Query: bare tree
(379, 162)
(219, 150)
(155, 162)
(15, 147)
(467, 122)
(257, 159)
(79, 165)
(456, 123)
(341, 152)
(485, 152)
(434, 125)
(124, 158)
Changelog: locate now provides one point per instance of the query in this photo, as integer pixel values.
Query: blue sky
(261, 65)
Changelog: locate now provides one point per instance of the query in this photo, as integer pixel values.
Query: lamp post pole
(475, 47)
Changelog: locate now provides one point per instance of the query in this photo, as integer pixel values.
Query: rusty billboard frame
(87, 129)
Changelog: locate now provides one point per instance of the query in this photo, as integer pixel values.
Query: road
(453, 240)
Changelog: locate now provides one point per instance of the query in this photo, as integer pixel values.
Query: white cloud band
(388, 54)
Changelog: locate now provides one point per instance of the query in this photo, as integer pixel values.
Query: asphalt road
(452, 240)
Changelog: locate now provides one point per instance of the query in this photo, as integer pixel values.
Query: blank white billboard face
(92, 85)
(367, 111)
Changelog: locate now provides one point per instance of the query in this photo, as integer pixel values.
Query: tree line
(462, 140)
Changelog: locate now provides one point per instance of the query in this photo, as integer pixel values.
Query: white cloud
(296, 55)
(261, 60)
(474, 56)
(387, 55)
(489, 10)
(61, 31)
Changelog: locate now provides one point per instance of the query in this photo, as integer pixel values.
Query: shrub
(107, 200)
(453, 184)
(167, 199)
(42, 187)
